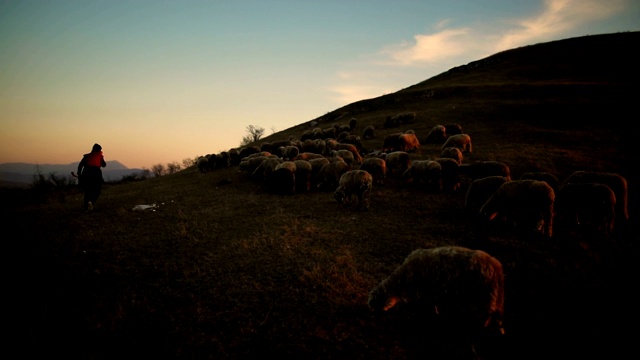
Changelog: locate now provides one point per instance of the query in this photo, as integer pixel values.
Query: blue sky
(160, 81)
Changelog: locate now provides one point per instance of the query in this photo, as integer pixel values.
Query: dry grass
(223, 269)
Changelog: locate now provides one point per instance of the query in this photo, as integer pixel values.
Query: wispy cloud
(449, 47)
(557, 17)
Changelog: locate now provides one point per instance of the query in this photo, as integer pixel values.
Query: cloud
(428, 48)
(557, 17)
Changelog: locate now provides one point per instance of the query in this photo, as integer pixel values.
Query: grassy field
(222, 269)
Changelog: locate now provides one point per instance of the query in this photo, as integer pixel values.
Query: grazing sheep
(453, 129)
(304, 169)
(480, 169)
(308, 156)
(464, 288)
(355, 184)
(345, 155)
(286, 164)
(587, 206)
(391, 142)
(248, 150)
(368, 132)
(289, 152)
(352, 148)
(408, 142)
(353, 140)
(352, 123)
(316, 166)
(250, 163)
(527, 204)
(453, 153)
(461, 141)
(281, 181)
(437, 135)
(480, 191)
(266, 167)
(202, 163)
(328, 179)
(397, 162)
(425, 173)
(551, 179)
(450, 174)
(376, 167)
(616, 182)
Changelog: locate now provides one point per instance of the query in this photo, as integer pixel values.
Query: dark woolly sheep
(281, 181)
(248, 150)
(551, 179)
(481, 169)
(453, 153)
(397, 162)
(342, 155)
(352, 123)
(450, 174)
(304, 169)
(250, 163)
(316, 166)
(353, 140)
(391, 143)
(461, 287)
(461, 141)
(616, 182)
(453, 129)
(437, 135)
(352, 148)
(202, 164)
(289, 152)
(376, 167)
(480, 191)
(588, 207)
(308, 156)
(355, 184)
(426, 173)
(328, 178)
(408, 142)
(266, 167)
(526, 204)
(368, 132)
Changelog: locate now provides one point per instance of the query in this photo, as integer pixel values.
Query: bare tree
(188, 162)
(255, 133)
(173, 167)
(158, 170)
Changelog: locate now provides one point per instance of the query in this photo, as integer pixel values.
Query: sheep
(202, 163)
(391, 142)
(355, 184)
(480, 191)
(450, 174)
(551, 179)
(328, 178)
(397, 162)
(453, 153)
(281, 181)
(248, 150)
(289, 152)
(408, 142)
(426, 173)
(345, 155)
(304, 169)
(437, 135)
(616, 182)
(316, 166)
(462, 287)
(480, 169)
(461, 141)
(453, 129)
(286, 164)
(352, 148)
(352, 139)
(250, 163)
(527, 204)
(588, 206)
(368, 132)
(308, 156)
(352, 123)
(266, 167)
(376, 167)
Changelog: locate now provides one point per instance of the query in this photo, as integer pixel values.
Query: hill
(224, 268)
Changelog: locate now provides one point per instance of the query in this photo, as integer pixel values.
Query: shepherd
(90, 176)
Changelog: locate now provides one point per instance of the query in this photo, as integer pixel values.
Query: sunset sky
(160, 81)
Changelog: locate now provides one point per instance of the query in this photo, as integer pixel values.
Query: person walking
(90, 176)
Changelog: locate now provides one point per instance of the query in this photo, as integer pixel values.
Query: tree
(158, 170)
(172, 167)
(255, 133)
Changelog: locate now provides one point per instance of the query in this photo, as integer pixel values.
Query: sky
(160, 81)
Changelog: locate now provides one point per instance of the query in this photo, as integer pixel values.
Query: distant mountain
(20, 174)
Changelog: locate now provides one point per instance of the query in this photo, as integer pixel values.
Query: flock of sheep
(463, 286)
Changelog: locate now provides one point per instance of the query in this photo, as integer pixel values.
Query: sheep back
(355, 184)
(464, 287)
